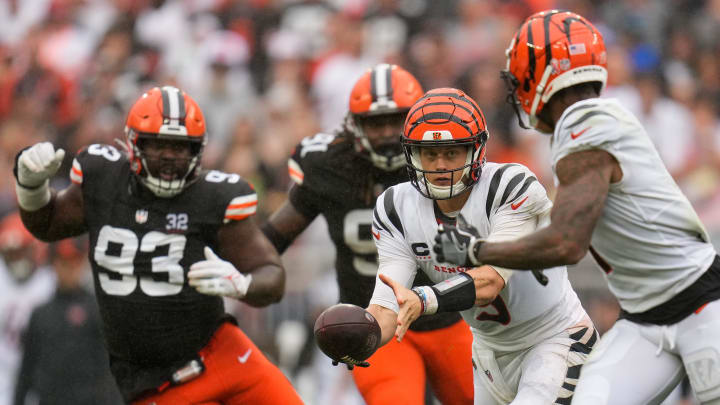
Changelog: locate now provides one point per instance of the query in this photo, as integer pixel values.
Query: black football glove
(455, 244)
(350, 362)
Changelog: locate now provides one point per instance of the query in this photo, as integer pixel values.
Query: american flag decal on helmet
(241, 207)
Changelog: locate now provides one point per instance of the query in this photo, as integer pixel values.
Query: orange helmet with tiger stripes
(382, 94)
(445, 117)
(551, 51)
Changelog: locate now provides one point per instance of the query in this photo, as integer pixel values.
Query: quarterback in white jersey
(531, 334)
(615, 199)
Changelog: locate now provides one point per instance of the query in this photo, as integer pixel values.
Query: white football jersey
(506, 203)
(648, 232)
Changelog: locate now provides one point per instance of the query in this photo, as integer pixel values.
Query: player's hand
(350, 362)
(215, 276)
(410, 306)
(454, 244)
(37, 164)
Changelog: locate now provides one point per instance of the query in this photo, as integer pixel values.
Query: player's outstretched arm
(584, 181)
(246, 266)
(47, 214)
(284, 225)
(388, 320)
(476, 287)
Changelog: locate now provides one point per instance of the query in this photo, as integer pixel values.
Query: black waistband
(677, 308)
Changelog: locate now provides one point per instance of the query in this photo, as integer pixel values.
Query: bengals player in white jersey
(615, 199)
(339, 176)
(529, 339)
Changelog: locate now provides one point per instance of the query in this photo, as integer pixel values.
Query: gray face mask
(21, 270)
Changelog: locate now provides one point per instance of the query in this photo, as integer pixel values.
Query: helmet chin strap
(538, 95)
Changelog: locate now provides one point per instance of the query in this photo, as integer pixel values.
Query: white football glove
(38, 163)
(215, 276)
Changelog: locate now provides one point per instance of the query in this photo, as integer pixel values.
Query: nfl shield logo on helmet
(141, 216)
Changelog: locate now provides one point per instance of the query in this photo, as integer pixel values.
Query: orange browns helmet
(445, 117)
(381, 94)
(551, 51)
(165, 113)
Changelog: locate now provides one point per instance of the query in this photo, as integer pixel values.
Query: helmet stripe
(546, 26)
(456, 97)
(172, 105)
(381, 84)
(440, 116)
(531, 54)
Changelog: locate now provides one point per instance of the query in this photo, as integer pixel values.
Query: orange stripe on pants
(398, 371)
(236, 372)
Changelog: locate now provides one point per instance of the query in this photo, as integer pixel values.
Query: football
(347, 330)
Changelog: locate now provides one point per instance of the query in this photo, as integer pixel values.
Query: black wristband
(455, 294)
(278, 240)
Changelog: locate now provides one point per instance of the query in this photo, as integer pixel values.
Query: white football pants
(543, 374)
(640, 364)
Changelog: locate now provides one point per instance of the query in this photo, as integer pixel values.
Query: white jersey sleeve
(395, 259)
(648, 232)
(524, 209)
(585, 126)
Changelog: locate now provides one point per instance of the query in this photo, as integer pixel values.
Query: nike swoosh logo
(375, 234)
(517, 205)
(574, 135)
(244, 358)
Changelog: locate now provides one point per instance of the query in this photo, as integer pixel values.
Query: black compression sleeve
(455, 294)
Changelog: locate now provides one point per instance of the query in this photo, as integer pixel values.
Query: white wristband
(32, 199)
(429, 298)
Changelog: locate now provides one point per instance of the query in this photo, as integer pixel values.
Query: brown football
(347, 330)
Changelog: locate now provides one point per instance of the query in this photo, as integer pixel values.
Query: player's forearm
(39, 222)
(267, 287)
(387, 319)
(545, 248)
(488, 284)
(284, 226)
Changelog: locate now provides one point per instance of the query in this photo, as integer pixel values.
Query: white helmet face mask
(166, 188)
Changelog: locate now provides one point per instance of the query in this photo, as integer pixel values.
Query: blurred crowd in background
(269, 72)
